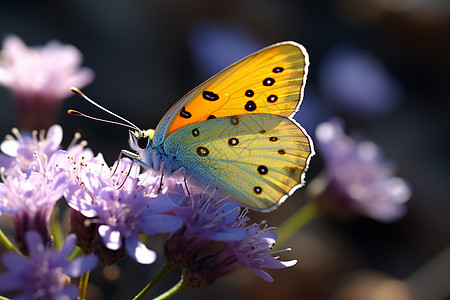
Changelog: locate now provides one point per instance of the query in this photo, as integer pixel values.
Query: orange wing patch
(268, 81)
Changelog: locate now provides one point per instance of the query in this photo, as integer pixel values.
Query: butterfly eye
(143, 142)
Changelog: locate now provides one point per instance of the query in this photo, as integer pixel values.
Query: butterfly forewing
(268, 81)
(258, 159)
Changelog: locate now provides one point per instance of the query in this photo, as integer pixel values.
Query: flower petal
(154, 224)
(111, 237)
(14, 261)
(68, 292)
(270, 237)
(138, 251)
(69, 245)
(9, 147)
(235, 234)
(273, 263)
(81, 265)
(10, 282)
(54, 137)
(262, 274)
(35, 243)
(233, 209)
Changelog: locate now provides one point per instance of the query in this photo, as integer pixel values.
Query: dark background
(148, 54)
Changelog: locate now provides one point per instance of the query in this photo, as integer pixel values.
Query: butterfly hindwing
(268, 81)
(259, 159)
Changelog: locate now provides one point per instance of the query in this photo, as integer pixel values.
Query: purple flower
(46, 273)
(357, 178)
(29, 197)
(39, 79)
(34, 178)
(79, 167)
(204, 220)
(121, 206)
(22, 149)
(251, 252)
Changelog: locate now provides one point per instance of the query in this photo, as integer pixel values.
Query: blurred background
(382, 66)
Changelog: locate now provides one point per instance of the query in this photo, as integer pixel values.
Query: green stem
(75, 253)
(166, 269)
(57, 233)
(4, 298)
(83, 286)
(295, 222)
(7, 243)
(176, 289)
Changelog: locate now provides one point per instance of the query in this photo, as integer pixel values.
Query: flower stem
(296, 222)
(75, 253)
(83, 286)
(4, 298)
(7, 243)
(176, 289)
(166, 269)
(57, 233)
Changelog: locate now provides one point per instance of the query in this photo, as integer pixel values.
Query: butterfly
(236, 131)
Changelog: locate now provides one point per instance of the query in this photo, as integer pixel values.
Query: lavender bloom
(29, 197)
(204, 221)
(251, 252)
(121, 214)
(22, 149)
(46, 273)
(34, 178)
(39, 79)
(85, 225)
(357, 178)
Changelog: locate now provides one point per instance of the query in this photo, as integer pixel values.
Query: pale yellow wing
(259, 159)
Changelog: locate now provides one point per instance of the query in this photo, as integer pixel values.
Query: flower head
(22, 149)
(121, 206)
(29, 197)
(39, 78)
(357, 178)
(251, 252)
(46, 273)
(204, 220)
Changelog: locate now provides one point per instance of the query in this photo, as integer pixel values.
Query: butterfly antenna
(77, 113)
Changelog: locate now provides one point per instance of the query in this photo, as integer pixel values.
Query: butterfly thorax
(151, 155)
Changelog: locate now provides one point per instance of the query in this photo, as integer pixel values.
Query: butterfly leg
(161, 171)
(185, 182)
(135, 160)
(130, 154)
(117, 166)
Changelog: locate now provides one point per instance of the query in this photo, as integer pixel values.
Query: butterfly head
(140, 140)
